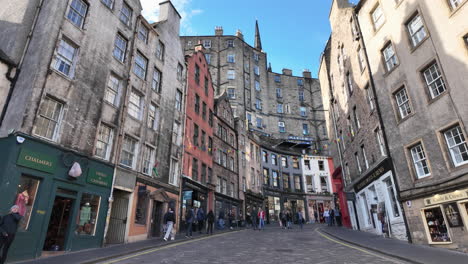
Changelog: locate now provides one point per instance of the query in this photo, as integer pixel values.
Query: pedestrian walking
(254, 218)
(169, 220)
(200, 219)
(300, 218)
(326, 215)
(221, 220)
(332, 217)
(189, 219)
(231, 218)
(288, 219)
(283, 219)
(338, 216)
(261, 219)
(316, 216)
(210, 219)
(8, 227)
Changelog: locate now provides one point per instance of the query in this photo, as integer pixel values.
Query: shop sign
(98, 177)
(187, 195)
(447, 197)
(373, 175)
(37, 161)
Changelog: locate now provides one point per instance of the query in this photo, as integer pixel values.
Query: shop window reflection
(87, 216)
(25, 198)
(438, 232)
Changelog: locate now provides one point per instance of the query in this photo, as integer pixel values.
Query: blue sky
(293, 32)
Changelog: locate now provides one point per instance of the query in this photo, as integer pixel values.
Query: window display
(142, 205)
(25, 198)
(435, 221)
(87, 216)
(453, 215)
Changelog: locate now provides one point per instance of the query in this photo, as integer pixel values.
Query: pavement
(396, 248)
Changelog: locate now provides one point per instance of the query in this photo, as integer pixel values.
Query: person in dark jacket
(200, 219)
(210, 218)
(288, 219)
(221, 220)
(8, 227)
(169, 220)
(254, 218)
(189, 219)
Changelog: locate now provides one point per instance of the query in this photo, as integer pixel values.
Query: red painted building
(339, 194)
(197, 168)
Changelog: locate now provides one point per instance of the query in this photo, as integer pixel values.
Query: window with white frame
(358, 163)
(257, 85)
(65, 58)
(231, 93)
(257, 70)
(230, 43)
(49, 119)
(380, 142)
(305, 129)
(281, 126)
(104, 142)
(178, 100)
(256, 57)
(454, 4)
(349, 83)
(176, 133)
(113, 90)
(153, 116)
(224, 187)
(148, 160)
(361, 58)
(303, 111)
(416, 30)
(378, 17)
(135, 105)
(457, 146)
(180, 71)
(300, 82)
(279, 93)
(259, 122)
(277, 78)
(231, 74)
(218, 184)
(139, 68)
(258, 104)
(350, 126)
(77, 12)
(301, 96)
(108, 3)
(420, 161)
(365, 209)
(207, 44)
(156, 82)
(434, 80)
(391, 60)
(357, 123)
(120, 48)
(143, 33)
(402, 100)
(208, 58)
(364, 157)
(370, 99)
(160, 50)
(231, 58)
(129, 151)
(174, 179)
(392, 197)
(126, 14)
(279, 108)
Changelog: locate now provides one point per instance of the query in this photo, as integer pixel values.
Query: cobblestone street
(273, 245)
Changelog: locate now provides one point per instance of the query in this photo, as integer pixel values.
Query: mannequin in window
(22, 200)
(85, 214)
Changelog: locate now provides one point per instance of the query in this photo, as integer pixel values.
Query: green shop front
(62, 195)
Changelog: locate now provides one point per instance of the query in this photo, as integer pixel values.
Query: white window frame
(56, 121)
(132, 153)
(457, 145)
(156, 81)
(231, 58)
(108, 3)
(174, 179)
(135, 105)
(230, 43)
(390, 57)
(402, 100)
(65, 56)
(231, 74)
(358, 162)
(301, 96)
(417, 34)
(143, 33)
(258, 104)
(392, 197)
(178, 100)
(140, 66)
(279, 93)
(454, 4)
(126, 14)
(380, 142)
(148, 160)
(361, 60)
(207, 44)
(257, 86)
(105, 142)
(280, 108)
(76, 15)
(153, 116)
(364, 157)
(436, 85)
(120, 48)
(259, 122)
(256, 70)
(305, 129)
(112, 93)
(303, 111)
(420, 161)
(378, 17)
(281, 127)
(231, 93)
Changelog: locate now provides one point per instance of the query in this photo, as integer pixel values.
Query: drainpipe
(20, 64)
(382, 125)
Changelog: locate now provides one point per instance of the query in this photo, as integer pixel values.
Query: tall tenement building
(91, 121)
(408, 60)
(278, 104)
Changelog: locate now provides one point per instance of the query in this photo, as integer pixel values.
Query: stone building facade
(96, 86)
(417, 54)
(355, 124)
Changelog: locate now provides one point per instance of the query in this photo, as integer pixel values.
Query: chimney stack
(218, 31)
(239, 34)
(287, 72)
(306, 73)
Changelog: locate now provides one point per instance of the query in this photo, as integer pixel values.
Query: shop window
(87, 217)
(142, 205)
(436, 226)
(25, 198)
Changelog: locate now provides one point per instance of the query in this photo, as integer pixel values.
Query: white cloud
(151, 13)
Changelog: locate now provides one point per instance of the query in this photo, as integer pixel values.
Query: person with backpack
(169, 220)
(200, 219)
(8, 226)
(189, 218)
(210, 219)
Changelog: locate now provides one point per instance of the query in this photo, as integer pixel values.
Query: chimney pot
(219, 31)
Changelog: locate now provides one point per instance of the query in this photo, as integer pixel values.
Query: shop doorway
(156, 218)
(57, 229)
(118, 219)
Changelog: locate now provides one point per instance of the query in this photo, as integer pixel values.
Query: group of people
(256, 218)
(332, 216)
(195, 220)
(286, 219)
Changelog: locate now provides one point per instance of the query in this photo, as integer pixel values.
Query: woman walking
(326, 215)
(210, 218)
(8, 227)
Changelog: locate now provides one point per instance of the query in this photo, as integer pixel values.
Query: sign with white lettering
(100, 178)
(446, 197)
(37, 161)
